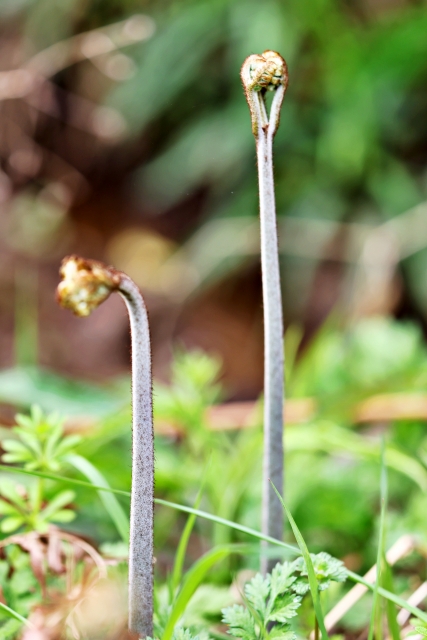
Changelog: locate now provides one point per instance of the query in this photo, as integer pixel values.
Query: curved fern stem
(85, 285)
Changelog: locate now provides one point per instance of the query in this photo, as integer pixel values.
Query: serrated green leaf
(240, 621)
(282, 577)
(301, 587)
(285, 608)
(326, 569)
(257, 592)
(282, 633)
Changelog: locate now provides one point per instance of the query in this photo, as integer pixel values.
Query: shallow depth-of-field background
(125, 137)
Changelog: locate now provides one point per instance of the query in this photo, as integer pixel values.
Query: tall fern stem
(85, 285)
(262, 73)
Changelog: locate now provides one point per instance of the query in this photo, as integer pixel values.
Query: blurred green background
(125, 136)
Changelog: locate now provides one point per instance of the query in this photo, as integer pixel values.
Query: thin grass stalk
(259, 74)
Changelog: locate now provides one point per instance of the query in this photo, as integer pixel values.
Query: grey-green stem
(259, 74)
(141, 506)
(85, 285)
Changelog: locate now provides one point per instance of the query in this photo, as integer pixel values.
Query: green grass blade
(376, 605)
(387, 581)
(17, 616)
(312, 580)
(58, 478)
(192, 579)
(421, 615)
(109, 500)
(392, 597)
(182, 546)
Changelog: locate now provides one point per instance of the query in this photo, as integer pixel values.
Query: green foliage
(23, 508)
(193, 388)
(420, 629)
(277, 598)
(336, 510)
(40, 443)
(267, 600)
(373, 356)
(19, 587)
(326, 569)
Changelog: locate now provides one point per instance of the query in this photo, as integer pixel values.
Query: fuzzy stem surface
(259, 74)
(85, 285)
(142, 495)
(272, 512)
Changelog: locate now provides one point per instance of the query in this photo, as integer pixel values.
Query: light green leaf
(286, 608)
(65, 515)
(282, 577)
(11, 524)
(240, 621)
(6, 508)
(14, 446)
(257, 592)
(60, 500)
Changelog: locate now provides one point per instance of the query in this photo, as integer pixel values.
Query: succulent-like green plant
(85, 285)
(262, 73)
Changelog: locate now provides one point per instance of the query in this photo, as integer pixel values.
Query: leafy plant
(272, 602)
(40, 445)
(326, 569)
(20, 507)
